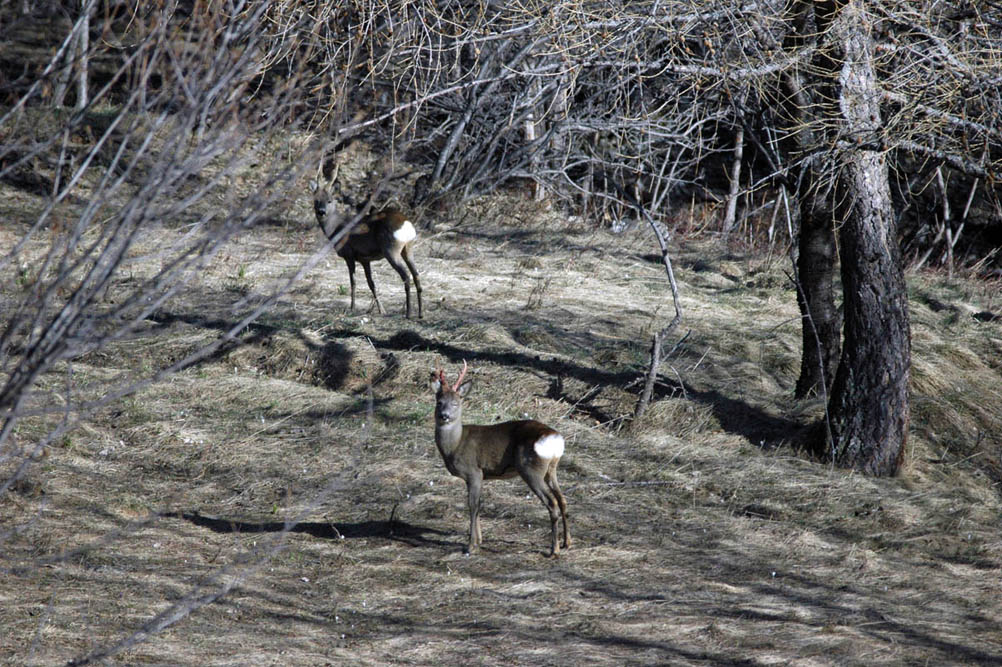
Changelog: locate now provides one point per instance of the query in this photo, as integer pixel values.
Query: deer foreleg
(351, 279)
(372, 286)
(399, 267)
(473, 485)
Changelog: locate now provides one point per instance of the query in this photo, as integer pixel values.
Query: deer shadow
(393, 529)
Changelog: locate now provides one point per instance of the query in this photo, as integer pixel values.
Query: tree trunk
(816, 256)
(816, 264)
(735, 190)
(868, 408)
(82, 53)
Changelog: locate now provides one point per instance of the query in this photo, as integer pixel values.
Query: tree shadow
(582, 405)
(735, 416)
(254, 332)
(749, 421)
(334, 361)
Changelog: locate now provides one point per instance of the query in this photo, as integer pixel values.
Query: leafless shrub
(187, 128)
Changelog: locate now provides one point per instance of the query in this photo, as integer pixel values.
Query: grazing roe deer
(476, 453)
(384, 234)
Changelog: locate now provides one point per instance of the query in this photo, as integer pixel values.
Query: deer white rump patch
(406, 233)
(550, 446)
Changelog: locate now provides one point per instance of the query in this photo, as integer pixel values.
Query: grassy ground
(297, 473)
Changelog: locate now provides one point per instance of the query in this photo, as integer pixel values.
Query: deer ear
(434, 383)
(314, 186)
(464, 388)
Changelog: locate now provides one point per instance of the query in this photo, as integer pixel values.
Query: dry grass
(701, 536)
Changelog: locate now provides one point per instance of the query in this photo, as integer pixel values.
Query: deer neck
(449, 437)
(332, 222)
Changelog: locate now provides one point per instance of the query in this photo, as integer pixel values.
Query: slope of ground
(296, 477)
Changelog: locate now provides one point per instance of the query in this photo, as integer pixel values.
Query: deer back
(377, 232)
(497, 447)
(371, 236)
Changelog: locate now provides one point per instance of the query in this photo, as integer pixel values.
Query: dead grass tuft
(682, 418)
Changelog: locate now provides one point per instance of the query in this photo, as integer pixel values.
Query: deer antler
(334, 173)
(462, 374)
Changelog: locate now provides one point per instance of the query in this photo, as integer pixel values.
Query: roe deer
(476, 453)
(384, 234)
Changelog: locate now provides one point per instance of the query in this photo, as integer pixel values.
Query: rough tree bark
(816, 264)
(816, 252)
(868, 407)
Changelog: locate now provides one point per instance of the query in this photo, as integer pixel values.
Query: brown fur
(476, 453)
(370, 240)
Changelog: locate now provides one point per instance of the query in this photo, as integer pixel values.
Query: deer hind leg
(551, 481)
(395, 261)
(534, 479)
(372, 288)
(406, 254)
(473, 486)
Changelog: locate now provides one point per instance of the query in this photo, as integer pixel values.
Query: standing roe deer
(384, 234)
(478, 452)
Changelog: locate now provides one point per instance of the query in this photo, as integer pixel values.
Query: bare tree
(800, 106)
(935, 71)
(75, 56)
(869, 407)
(189, 102)
(606, 90)
(903, 64)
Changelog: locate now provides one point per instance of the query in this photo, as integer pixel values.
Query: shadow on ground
(397, 531)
